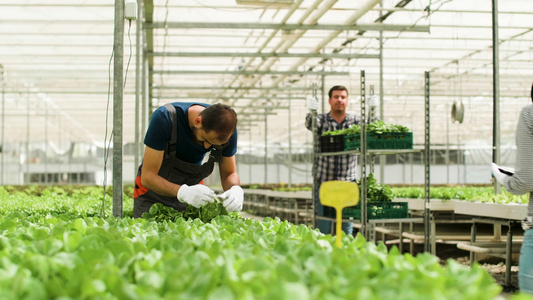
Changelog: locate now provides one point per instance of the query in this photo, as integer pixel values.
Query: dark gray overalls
(175, 171)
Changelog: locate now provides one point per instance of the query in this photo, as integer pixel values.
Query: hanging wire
(429, 12)
(106, 149)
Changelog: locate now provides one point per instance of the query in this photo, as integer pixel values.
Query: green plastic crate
(375, 210)
(386, 140)
(331, 143)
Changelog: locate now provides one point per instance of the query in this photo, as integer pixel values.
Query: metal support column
(448, 149)
(250, 157)
(323, 88)
(266, 150)
(289, 161)
(58, 172)
(144, 109)
(314, 159)
(118, 94)
(382, 159)
(45, 141)
(495, 90)
(27, 177)
(364, 217)
(427, 182)
(371, 116)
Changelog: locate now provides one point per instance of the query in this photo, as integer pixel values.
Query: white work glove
(497, 173)
(312, 103)
(196, 195)
(373, 101)
(233, 198)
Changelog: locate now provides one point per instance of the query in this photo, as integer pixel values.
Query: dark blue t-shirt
(160, 130)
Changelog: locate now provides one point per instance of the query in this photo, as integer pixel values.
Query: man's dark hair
(531, 92)
(337, 88)
(219, 117)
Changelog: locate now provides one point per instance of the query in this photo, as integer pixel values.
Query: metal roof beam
(263, 55)
(189, 72)
(257, 114)
(169, 87)
(260, 107)
(365, 27)
(269, 97)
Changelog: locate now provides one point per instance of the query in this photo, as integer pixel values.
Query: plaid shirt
(335, 167)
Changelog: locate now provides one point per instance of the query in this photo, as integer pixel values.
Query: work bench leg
(433, 237)
(285, 209)
(372, 232)
(296, 217)
(508, 256)
(411, 241)
(472, 241)
(400, 232)
(288, 210)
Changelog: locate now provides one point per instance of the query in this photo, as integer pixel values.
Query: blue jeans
(325, 226)
(525, 274)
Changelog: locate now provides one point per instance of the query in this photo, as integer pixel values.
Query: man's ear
(198, 121)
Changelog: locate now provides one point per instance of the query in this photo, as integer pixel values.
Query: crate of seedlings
(385, 140)
(380, 135)
(334, 141)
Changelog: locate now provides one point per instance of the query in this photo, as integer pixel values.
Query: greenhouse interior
(401, 191)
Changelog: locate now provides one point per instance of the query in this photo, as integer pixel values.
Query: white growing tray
(510, 211)
(434, 204)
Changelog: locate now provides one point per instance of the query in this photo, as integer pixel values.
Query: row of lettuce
(484, 194)
(63, 244)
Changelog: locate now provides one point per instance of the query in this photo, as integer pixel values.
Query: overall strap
(171, 146)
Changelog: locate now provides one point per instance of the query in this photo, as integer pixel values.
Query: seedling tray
(375, 210)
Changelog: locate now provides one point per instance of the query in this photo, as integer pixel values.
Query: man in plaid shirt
(336, 167)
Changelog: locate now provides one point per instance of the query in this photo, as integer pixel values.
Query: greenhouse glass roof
(263, 57)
